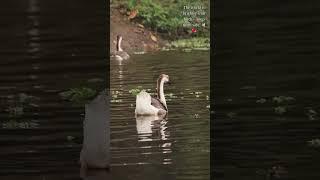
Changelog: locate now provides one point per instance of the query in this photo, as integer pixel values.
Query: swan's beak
(169, 82)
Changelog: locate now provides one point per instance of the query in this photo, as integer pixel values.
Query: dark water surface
(46, 47)
(265, 50)
(172, 148)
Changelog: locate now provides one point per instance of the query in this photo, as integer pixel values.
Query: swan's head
(164, 78)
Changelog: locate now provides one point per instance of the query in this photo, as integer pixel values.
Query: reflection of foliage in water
(17, 106)
(312, 114)
(13, 123)
(231, 115)
(281, 105)
(261, 101)
(16, 111)
(280, 109)
(314, 143)
(285, 101)
(282, 99)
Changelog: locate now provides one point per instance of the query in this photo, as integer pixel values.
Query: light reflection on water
(34, 31)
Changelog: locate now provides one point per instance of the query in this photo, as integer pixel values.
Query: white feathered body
(143, 105)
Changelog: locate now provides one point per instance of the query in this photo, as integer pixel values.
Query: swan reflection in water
(95, 174)
(153, 128)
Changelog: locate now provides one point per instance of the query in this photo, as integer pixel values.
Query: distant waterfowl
(147, 105)
(119, 54)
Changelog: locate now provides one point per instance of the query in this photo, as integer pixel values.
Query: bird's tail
(143, 104)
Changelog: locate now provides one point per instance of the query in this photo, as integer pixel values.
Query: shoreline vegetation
(147, 25)
(152, 25)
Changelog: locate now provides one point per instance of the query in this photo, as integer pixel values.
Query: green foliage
(280, 110)
(194, 43)
(154, 15)
(79, 95)
(137, 90)
(164, 15)
(131, 4)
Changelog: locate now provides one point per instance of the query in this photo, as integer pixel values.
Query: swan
(147, 105)
(119, 54)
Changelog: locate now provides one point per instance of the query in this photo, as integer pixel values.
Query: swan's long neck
(160, 91)
(119, 45)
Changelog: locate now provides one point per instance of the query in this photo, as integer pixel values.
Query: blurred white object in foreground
(95, 151)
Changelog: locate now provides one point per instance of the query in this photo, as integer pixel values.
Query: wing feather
(158, 104)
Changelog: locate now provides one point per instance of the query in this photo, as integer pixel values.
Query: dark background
(48, 47)
(264, 49)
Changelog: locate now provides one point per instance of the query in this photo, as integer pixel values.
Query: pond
(172, 148)
(265, 117)
(44, 140)
(52, 47)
